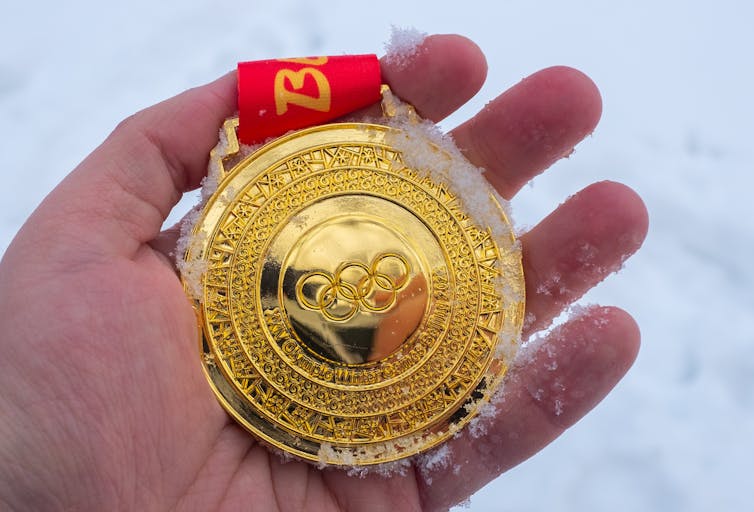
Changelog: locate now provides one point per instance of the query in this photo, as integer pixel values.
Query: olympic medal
(352, 311)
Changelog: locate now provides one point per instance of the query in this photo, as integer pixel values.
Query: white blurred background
(677, 78)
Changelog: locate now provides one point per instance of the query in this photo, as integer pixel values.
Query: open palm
(104, 405)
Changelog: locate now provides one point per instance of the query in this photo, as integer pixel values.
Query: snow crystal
(193, 273)
(538, 341)
(189, 242)
(283, 456)
(349, 459)
(548, 285)
(214, 170)
(465, 504)
(479, 425)
(586, 255)
(529, 349)
(434, 461)
(529, 320)
(328, 455)
(542, 348)
(579, 311)
(388, 469)
(403, 45)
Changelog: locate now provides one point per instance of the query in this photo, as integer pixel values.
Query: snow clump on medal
(429, 151)
(188, 242)
(192, 270)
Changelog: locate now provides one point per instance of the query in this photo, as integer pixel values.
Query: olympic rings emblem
(354, 286)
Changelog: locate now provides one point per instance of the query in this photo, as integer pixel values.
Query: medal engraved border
(266, 371)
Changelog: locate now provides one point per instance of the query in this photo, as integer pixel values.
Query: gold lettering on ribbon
(285, 97)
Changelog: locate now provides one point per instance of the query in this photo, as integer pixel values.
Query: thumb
(118, 197)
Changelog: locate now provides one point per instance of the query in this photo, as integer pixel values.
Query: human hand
(104, 403)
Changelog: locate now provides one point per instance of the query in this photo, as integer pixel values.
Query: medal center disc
(353, 287)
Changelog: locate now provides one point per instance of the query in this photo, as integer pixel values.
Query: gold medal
(353, 311)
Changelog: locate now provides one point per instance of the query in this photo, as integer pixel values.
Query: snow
(403, 44)
(434, 461)
(676, 79)
(192, 271)
(419, 142)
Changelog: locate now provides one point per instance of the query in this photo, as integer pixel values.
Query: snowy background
(677, 78)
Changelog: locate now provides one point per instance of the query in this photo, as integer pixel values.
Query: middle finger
(530, 126)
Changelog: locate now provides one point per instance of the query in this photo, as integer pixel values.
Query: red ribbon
(276, 96)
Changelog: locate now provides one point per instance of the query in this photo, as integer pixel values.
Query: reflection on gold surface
(352, 285)
(398, 324)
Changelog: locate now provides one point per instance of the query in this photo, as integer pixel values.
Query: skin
(104, 404)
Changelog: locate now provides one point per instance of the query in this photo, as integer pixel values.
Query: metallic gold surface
(351, 310)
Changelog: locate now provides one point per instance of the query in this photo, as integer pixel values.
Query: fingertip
(617, 208)
(545, 393)
(583, 241)
(631, 339)
(443, 73)
(618, 335)
(592, 352)
(470, 65)
(577, 96)
(530, 126)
